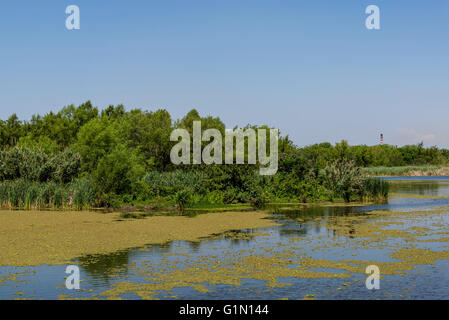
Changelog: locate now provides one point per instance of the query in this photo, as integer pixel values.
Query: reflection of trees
(194, 245)
(302, 221)
(310, 214)
(428, 188)
(102, 266)
(160, 248)
(292, 228)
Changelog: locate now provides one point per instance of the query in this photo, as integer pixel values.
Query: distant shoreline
(407, 171)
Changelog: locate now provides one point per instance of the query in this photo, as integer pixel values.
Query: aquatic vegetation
(375, 189)
(408, 171)
(345, 180)
(183, 199)
(56, 237)
(24, 194)
(288, 261)
(214, 271)
(259, 199)
(324, 245)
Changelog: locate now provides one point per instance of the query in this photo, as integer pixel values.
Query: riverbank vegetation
(408, 171)
(81, 157)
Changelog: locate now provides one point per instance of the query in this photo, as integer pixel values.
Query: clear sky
(309, 68)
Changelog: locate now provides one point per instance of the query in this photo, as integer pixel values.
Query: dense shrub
(183, 199)
(344, 179)
(117, 171)
(259, 199)
(168, 183)
(38, 166)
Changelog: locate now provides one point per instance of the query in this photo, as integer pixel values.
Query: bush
(344, 179)
(215, 197)
(118, 171)
(259, 200)
(183, 199)
(169, 183)
(38, 166)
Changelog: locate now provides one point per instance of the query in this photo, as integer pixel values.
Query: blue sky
(309, 68)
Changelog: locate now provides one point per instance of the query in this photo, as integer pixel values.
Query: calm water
(303, 231)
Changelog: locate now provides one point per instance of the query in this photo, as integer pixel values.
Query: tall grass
(405, 171)
(23, 194)
(83, 193)
(375, 189)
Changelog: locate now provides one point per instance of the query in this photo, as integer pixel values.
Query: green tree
(118, 170)
(95, 140)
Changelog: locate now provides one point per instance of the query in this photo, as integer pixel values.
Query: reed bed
(24, 194)
(375, 189)
(411, 171)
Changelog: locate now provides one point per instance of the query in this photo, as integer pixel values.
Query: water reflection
(424, 188)
(194, 245)
(101, 267)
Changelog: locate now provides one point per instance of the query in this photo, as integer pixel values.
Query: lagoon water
(298, 259)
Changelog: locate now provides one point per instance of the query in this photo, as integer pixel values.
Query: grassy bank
(207, 186)
(406, 171)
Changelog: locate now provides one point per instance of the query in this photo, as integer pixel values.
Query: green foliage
(259, 199)
(375, 189)
(38, 166)
(42, 143)
(215, 197)
(343, 178)
(79, 157)
(377, 155)
(169, 183)
(11, 131)
(148, 132)
(25, 194)
(96, 140)
(65, 165)
(118, 170)
(183, 198)
(83, 193)
(400, 171)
